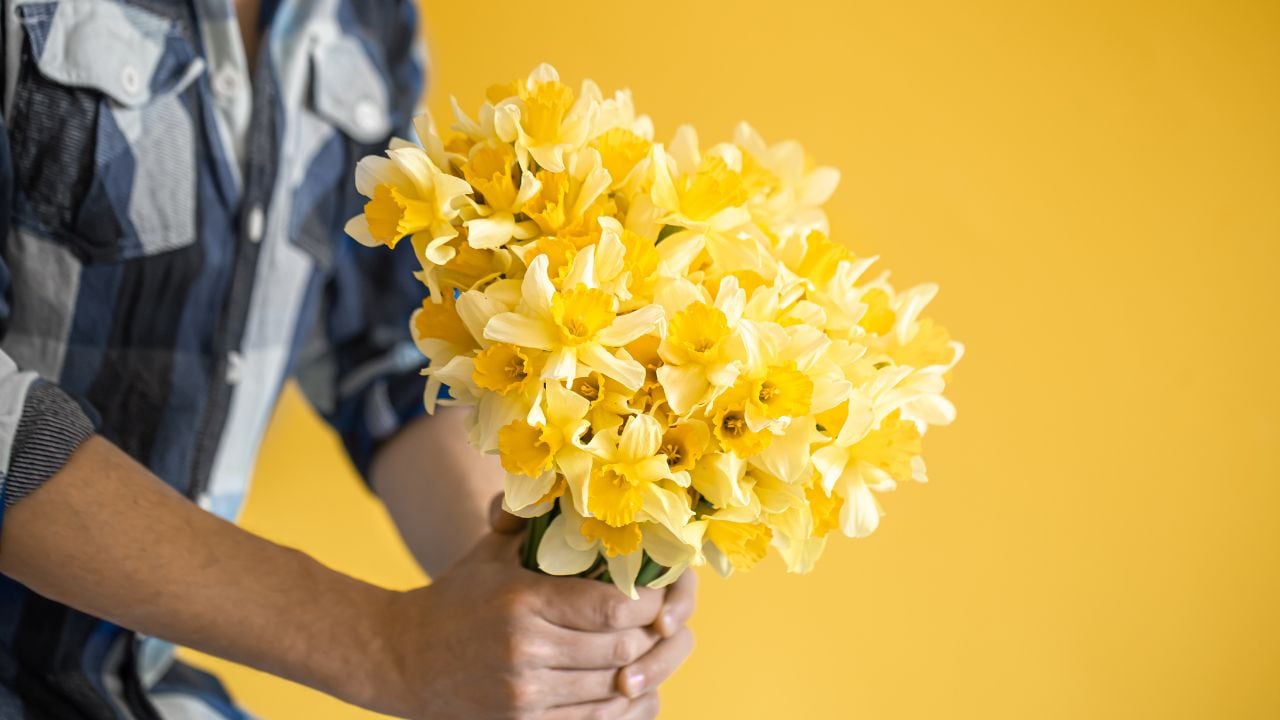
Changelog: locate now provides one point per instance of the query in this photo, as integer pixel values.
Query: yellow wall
(1096, 186)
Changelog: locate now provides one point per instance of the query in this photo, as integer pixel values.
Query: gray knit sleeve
(52, 427)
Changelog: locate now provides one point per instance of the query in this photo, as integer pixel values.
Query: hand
(639, 680)
(491, 639)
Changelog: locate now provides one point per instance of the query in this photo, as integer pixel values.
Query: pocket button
(367, 116)
(131, 80)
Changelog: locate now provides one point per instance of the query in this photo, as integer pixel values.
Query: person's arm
(436, 487)
(486, 640)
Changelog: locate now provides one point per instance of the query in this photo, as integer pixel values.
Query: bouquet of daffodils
(673, 361)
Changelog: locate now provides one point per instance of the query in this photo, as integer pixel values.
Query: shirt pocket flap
(349, 91)
(128, 54)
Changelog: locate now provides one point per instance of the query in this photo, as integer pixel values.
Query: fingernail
(633, 683)
(667, 623)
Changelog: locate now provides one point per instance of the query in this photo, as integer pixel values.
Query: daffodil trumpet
(673, 360)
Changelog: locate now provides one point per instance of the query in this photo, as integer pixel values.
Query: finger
(677, 608)
(599, 710)
(564, 649)
(647, 673)
(644, 707)
(594, 606)
(553, 688)
(501, 521)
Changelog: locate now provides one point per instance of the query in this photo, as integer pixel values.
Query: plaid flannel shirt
(172, 251)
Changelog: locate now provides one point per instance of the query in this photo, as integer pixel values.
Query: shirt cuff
(53, 425)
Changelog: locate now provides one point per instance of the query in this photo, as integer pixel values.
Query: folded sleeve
(50, 428)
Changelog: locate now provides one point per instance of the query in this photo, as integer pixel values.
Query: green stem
(537, 528)
(649, 571)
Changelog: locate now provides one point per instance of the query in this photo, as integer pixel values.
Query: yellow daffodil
(443, 338)
(702, 354)
(878, 460)
(787, 190)
(536, 457)
(609, 399)
(734, 544)
(408, 195)
(625, 482)
(505, 188)
(705, 194)
(800, 532)
(578, 326)
(545, 120)
(684, 443)
(504, 368)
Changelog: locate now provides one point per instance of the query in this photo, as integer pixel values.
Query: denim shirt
(172, 251)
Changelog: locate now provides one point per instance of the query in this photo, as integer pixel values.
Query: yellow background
(1096, 186)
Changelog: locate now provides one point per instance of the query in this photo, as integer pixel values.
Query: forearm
(108, 538)
(436, 487)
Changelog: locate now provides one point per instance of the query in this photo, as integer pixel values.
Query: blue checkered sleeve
(40, 425)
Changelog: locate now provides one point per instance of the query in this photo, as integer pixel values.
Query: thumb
(501, 547)
(503, 522)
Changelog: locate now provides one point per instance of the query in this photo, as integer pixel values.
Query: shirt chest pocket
(104, 130)
(347, 115)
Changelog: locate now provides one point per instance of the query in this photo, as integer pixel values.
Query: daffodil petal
(860, 514)
(623, 569)
(668, 549)
(640, 438)
(358, 228)
(536, 291)
(634, 324)
(519, 329)
(490, 232)
(521, 491)
(830, 462)
(665, 508)
(564, 406)
(623, 369)
(685, 386)
(556, 556)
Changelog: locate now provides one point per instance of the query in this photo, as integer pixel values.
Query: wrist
(375, 672)
(349, 648)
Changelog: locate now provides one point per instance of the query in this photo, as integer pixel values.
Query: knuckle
(521, 651)
(515, 600)
(613, 614)
(626, 649)
(521, 695)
